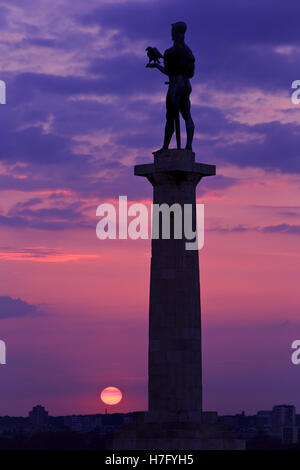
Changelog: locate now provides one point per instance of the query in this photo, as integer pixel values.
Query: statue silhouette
(179, 65)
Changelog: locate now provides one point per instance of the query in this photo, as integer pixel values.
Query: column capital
(174, 161)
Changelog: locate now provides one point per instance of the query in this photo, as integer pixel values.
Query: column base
(144, 435)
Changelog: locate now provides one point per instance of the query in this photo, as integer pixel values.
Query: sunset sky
(81, 110)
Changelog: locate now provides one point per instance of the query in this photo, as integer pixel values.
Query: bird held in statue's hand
(154, 55)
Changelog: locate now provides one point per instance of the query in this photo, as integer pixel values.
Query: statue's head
(178, 31)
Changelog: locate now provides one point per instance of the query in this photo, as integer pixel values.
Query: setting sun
(111, 395)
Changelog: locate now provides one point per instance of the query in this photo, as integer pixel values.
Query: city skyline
(111, 411)
(266, 429)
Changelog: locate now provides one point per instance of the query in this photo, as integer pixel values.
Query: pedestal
(175, 419)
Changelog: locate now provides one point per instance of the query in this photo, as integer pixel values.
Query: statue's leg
(177, 129)
(190, 128)
(169, 130)
(185, 109)
(170, 124)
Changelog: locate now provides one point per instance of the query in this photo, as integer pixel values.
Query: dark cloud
(234, 42)
(282, 228)
(217, 183)
(234, 229)
(212, 121)
(279, 228)
(3, 15)
(42, 42)
(289, 214)
(30, 203)
(125, 74)
(49, 218)
(279, 148)
(243, 22)
(57, 84)
(33, 145)
(16, 308)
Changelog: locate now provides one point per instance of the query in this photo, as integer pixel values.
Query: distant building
(290, 435)
(38, 417)
(113, 422)
(13, 425)
(264, 420)
(105, 424)
(283, 416)
(83, 423)
(284, 423)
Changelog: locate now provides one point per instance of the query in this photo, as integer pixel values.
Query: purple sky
(81, 110)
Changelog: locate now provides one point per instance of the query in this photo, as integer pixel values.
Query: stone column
(174, 361)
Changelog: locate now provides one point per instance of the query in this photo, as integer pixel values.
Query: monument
(175, 419)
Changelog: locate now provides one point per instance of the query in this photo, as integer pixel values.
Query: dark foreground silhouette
(69, 440)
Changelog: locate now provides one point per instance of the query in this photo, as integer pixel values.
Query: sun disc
(111, 395)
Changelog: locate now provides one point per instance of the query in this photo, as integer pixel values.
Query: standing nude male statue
(179, 65)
